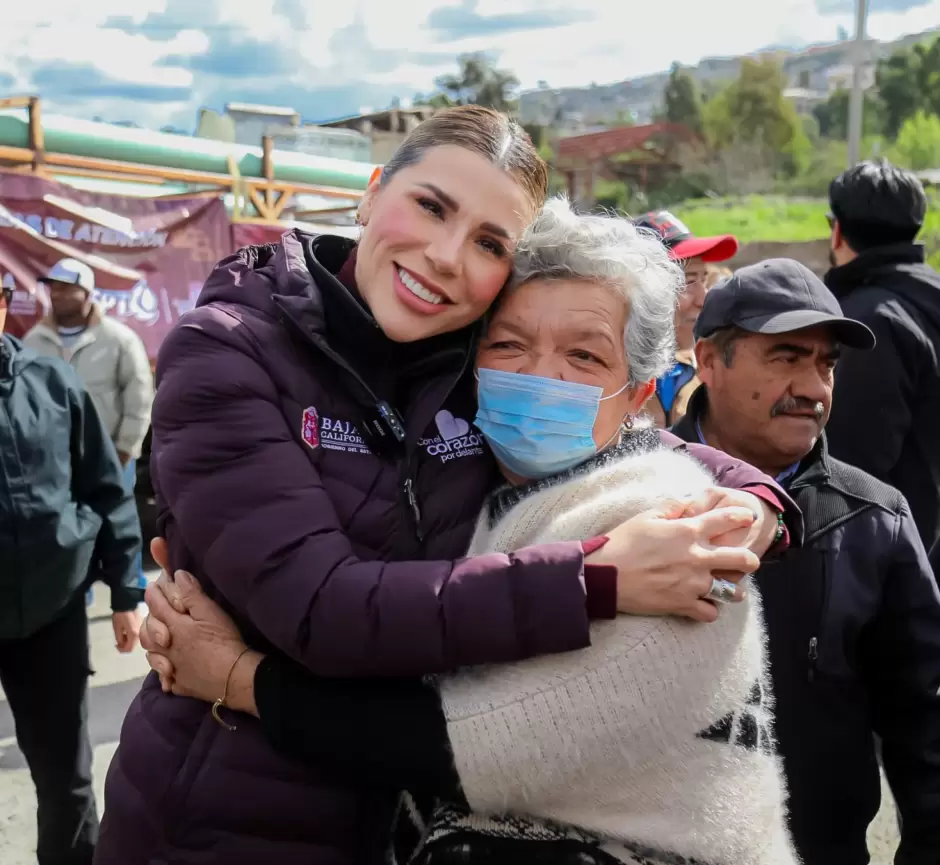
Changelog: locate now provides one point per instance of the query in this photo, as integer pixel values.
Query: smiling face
(437, 242)
(572, 331)
(771, 402)
(691, 300)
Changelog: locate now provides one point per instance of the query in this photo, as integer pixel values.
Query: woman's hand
(665, 563)
(191, 642)
(758, 538)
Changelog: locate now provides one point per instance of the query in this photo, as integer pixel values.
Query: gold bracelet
(220, 703)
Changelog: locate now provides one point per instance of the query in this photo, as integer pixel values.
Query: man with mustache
(853, 617)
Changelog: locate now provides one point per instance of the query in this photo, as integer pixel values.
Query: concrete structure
(245, 124)
(385, 129)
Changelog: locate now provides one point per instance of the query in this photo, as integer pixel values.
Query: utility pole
(857, 97)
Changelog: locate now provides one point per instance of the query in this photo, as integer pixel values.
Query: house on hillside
(637, 155)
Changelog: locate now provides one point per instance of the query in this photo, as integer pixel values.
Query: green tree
(909, 81)
(833, 116)
(478, 82)
(918, 144)
(752, 110)
(681, 100)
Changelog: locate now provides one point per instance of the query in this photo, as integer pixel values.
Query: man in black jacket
(853, 617)
(886, 418)
(64, 514)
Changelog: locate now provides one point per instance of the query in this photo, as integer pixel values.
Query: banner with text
(150, 256)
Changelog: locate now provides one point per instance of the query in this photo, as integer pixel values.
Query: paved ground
(117, 679)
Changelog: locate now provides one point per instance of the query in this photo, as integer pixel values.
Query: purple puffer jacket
(344, 561)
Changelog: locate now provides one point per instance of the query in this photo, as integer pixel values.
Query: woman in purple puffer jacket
(316, 470)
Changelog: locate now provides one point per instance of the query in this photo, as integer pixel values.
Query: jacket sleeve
(135, 382)
(736, 474)
(882, 381)
(249, 505)
(381, 732)
(902, 661)
(98, 482)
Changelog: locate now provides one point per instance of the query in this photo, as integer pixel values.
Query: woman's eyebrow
(513, 328)
(451, 204)
(591, 335)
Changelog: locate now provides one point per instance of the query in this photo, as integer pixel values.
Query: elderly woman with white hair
(652, 745)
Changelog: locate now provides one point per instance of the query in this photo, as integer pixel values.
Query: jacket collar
(49, 328)
(314, 275)
(847, 277)
(13, 356)
(814, 468)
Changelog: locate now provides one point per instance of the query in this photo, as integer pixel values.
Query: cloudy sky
(156, 62)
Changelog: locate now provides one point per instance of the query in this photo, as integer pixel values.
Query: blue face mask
(535, 426)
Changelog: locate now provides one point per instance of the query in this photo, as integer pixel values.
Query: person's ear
(367, 202)
(643, 392)
(706, 355)
(837, 240)
(639, 396)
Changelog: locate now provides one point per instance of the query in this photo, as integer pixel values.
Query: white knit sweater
(656, 738)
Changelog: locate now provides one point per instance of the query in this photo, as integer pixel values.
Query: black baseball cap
(778, 296)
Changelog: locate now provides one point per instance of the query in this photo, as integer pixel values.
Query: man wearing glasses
(674, 389)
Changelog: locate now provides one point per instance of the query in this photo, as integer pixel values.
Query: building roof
(610, 142)
(270, 110)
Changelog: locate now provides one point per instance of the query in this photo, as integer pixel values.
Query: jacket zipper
(415, 510)
(404, 465)
(406, 473)
(813, 653)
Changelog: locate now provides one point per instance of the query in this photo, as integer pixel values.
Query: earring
(628, 422)
(358, 218)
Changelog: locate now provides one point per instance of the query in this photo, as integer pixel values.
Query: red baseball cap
(682, 244)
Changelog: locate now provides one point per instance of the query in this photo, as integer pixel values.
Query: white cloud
(158, 61)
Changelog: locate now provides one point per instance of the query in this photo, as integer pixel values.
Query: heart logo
(450, 427)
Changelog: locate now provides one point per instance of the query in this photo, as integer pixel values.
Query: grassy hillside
(755, 218)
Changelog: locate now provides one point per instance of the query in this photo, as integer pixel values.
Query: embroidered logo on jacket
(454, 439)
(335, 435)
(310, 427)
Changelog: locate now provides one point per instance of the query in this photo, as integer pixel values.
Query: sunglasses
(831, 220)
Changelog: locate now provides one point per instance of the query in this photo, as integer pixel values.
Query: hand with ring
(723, 592)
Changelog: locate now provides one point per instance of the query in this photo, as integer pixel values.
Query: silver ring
(721, 592)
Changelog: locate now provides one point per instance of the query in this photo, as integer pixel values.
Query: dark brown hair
(494, 136)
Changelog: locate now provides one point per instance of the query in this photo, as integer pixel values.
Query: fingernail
(183, 579)
(161, 637)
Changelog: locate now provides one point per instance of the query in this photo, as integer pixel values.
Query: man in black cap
(853, 617)
(887, 415)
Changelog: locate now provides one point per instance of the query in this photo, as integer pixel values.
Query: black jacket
(886, 406)
(65, 515)
(853, 624)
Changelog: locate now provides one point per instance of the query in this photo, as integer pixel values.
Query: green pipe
(143, 147)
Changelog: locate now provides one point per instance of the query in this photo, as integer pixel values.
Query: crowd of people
(503, 534)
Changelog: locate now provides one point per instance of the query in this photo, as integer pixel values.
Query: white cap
(72, 271)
